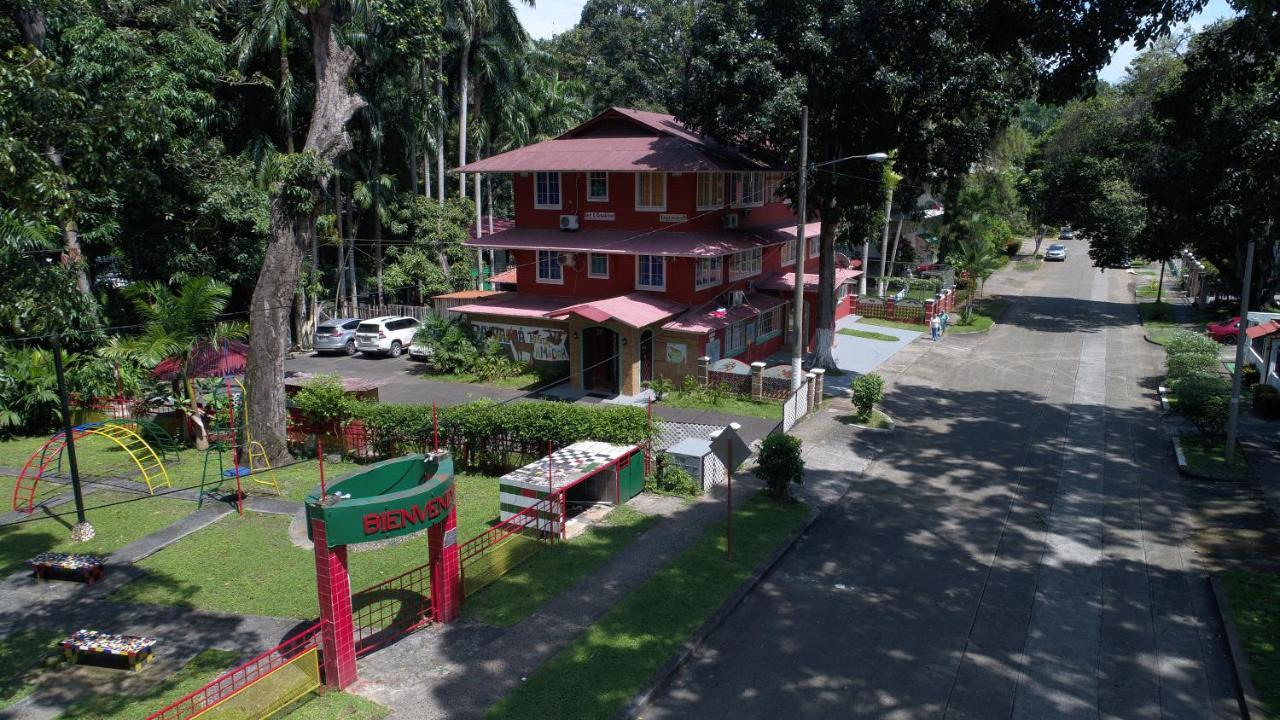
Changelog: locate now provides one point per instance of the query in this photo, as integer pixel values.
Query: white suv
(388, 335)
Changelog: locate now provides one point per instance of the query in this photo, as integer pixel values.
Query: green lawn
(1252, 599)
(22, 655)
(116, 525)
(615, 657)
(898, 324)
(200, 670)
(877, 421)
(1027, 265)
(731, 405)
(555, 569)
(1158, 320)
(523, 381)
(985, 312)
(868, 335)
(248, 564)
(1206, 456)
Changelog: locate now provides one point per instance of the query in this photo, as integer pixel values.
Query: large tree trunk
(440, 129)
(377, 216)
(291, 232)
(464, 75)
(825, 336)
(286, 83)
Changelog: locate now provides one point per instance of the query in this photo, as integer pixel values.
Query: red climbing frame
(24, 491)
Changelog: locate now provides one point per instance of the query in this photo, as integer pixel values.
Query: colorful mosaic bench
(94, 644)
(67, 565)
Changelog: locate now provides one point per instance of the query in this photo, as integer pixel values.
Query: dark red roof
(622, 140)
(227, 358)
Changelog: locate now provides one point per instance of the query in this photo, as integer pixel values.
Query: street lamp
(797, 351)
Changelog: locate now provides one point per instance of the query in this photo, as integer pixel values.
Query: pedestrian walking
(935, 326)
(945, 320)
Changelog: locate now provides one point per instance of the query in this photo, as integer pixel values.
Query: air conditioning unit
(568, 259)
(736, 298)
(568, 222)
(731, 221)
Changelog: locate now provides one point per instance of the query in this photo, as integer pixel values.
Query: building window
(651, 191)
(651, 272)
(549, 270)
(813, 245)
(598, 186)
(772, 185)
(708, 273)
(546, 191)
(748, 189)
(768, 323)
(744, 264)
(598, 266)
(735, 340)
(710, 190)
(789, 252)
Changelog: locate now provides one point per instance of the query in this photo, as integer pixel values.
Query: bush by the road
(780, 464)
(1181, 342)
(1191, 363)
(1203, 399)
(1266, 401)
(867, 391)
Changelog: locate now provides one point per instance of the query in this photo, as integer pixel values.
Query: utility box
(694, 456)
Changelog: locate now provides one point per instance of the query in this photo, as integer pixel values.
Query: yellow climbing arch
(152, 468)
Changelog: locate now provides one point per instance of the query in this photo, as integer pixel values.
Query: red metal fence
(384, 612)
(485, 557)
(237, 679)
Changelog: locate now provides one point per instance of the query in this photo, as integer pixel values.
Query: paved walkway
(1019, 547)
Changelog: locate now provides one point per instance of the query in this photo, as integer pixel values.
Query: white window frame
(591, 272)
(710, 281)
(773, 323)
(651, 208)
(597, 198)
(559, 191)
(555, 262)
(738, 329)
(757, 184)
(737, 259)
(790, 244)
(662, 260)
(813, 246)
(772, 182)
(716, 185)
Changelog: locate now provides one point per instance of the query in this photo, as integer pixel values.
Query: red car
(1226, 331)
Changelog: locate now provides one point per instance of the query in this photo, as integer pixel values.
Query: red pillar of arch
(446, 575)
(337, 633)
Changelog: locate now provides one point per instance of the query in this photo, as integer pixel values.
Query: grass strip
(1251, 596)
(877, 421)
(22, 655)
(868, 335)
(1207, 457)
(728, 405)
(613, 659)
(523, 381)
(556, 568)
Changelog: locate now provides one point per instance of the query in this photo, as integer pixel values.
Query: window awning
(634, 309)
(1266, 329)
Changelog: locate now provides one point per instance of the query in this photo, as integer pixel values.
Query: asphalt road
(1017, 549)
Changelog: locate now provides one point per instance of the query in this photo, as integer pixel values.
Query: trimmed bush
(671, 479)
(1186, 364)
(1250, 375)
(1181, 342)
(322, 399)
(780, 464)
(867, 391)
(1266, 402)
(1204, 400)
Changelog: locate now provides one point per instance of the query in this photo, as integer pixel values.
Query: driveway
(401, 379)
(1016, 549)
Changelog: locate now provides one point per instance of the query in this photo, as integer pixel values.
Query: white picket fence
(798, 404)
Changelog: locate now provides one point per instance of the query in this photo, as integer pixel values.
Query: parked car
(1067, 234)
(1226, 331)
(334, 336)
(418, 352)
(1056, 251)
(387, 335)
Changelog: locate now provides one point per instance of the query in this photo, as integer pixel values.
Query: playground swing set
(248, 456)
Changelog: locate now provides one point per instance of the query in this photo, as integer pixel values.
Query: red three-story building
(638, 247)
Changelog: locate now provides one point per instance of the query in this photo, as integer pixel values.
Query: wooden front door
(600, 360)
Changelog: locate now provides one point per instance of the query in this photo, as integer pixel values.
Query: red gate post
(446, 570)
(337, 632)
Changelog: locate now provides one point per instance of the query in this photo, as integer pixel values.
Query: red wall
(682, 194)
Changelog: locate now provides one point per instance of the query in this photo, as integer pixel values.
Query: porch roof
(1266, 329)
(519, 305)
(636, 309)
(506, 276)
(703, 318)
(623, 242)
(787, 281)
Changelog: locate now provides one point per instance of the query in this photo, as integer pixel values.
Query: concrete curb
(863, 428)
(1246, 693)
(1177, 451)
(695, 642)
(1163, 392)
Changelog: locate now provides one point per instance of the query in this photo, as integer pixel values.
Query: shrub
(1250, 375)
(867, 391)
(1184, 341)
(1185, 364)
(780, 464)
(671, 479)
(1266, 402)
(448, 343)
(493, 362)
(322, 399)
(1012, 247)
(1203, 399)
(660, 387)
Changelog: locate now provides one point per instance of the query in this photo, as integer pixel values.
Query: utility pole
(1233, 412)
(83, 530)
(884, 243)
(479, 234)
(797, 351)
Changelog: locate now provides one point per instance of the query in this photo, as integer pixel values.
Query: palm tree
(269, 29)
(178, 325)
(975, 258)
(372, 194)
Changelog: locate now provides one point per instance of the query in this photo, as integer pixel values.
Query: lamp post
(797, 351)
